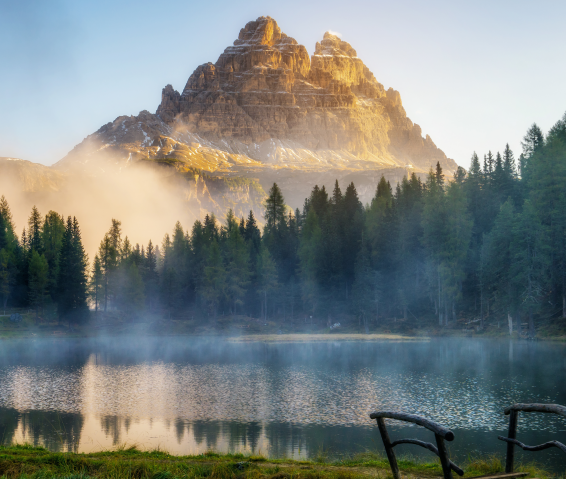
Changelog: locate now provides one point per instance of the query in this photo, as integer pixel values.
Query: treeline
(488, 244)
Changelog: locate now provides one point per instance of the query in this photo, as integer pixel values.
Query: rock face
(264, 88)
(266, 110)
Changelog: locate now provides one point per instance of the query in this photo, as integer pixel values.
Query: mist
(147, 201)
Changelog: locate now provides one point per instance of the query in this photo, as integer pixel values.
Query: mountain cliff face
(267, 111)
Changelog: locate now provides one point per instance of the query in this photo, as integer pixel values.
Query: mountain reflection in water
(188, 396)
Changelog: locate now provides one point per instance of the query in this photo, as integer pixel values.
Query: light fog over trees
(488, 244)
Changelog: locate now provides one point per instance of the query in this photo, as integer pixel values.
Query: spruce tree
(213, 289)
(34, 231)
(52, 241)
(73, 277)
(267, 280)
(96, 283)
(38, 281)
(439, 175)
(151, 278)
(274, 208)
(533, 141)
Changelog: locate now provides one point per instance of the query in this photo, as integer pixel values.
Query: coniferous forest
(486, 248)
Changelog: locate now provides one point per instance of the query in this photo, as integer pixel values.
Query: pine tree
(439, 175)
(267, 280)
(132, 296)
(151, 277)
(109, 252)
(533, 141)
(38, 281)
(274, 208)
(213, 287)
(52, 241)
(73, 277)
(34, 231)
(9, 226)
(96, 283)
(498, 260)
(236, 258)
(4, 278)
(530, 261)
(310, 256)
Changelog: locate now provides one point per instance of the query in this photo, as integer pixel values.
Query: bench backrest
(511, 439)
(441, 434)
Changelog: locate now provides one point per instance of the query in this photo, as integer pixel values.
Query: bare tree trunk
(510, 322)
(563, 305)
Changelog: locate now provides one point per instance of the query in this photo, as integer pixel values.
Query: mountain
(266, 111)
(29, 177)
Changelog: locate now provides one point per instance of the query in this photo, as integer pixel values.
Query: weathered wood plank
(549, 408)
(502, 475)
(442, 431)
(540, 447)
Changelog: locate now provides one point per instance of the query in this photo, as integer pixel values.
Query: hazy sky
(474, 75)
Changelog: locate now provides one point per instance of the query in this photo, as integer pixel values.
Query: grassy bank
(29, 462)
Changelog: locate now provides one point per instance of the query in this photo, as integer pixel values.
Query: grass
(28, 462)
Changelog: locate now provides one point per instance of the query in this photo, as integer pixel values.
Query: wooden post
(388, 448)
(513, 417)
(443, 455)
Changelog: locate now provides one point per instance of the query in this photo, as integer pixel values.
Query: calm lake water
(299, 400)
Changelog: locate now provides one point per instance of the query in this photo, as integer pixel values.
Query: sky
(473, 75)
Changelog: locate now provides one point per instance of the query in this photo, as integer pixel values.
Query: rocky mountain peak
(263, 31)
(268, 109)
(334, 46)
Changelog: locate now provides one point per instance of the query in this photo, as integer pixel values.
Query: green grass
(28, 462)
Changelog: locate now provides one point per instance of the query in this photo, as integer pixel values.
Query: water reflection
(281, 399)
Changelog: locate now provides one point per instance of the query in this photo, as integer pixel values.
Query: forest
(488, 245)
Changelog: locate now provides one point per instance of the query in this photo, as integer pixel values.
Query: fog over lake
(189, 395)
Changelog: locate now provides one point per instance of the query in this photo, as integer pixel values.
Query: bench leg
(443, 454)
(513, 418)
(388, 448)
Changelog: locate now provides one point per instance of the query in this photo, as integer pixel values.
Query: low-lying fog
(148, 202)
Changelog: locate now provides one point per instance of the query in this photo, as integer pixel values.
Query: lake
(300, 400)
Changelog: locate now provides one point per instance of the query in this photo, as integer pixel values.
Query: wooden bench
(441, 435)
(511, 439)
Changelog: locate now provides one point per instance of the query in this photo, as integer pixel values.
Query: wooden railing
(443, 434)
(511, 439)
